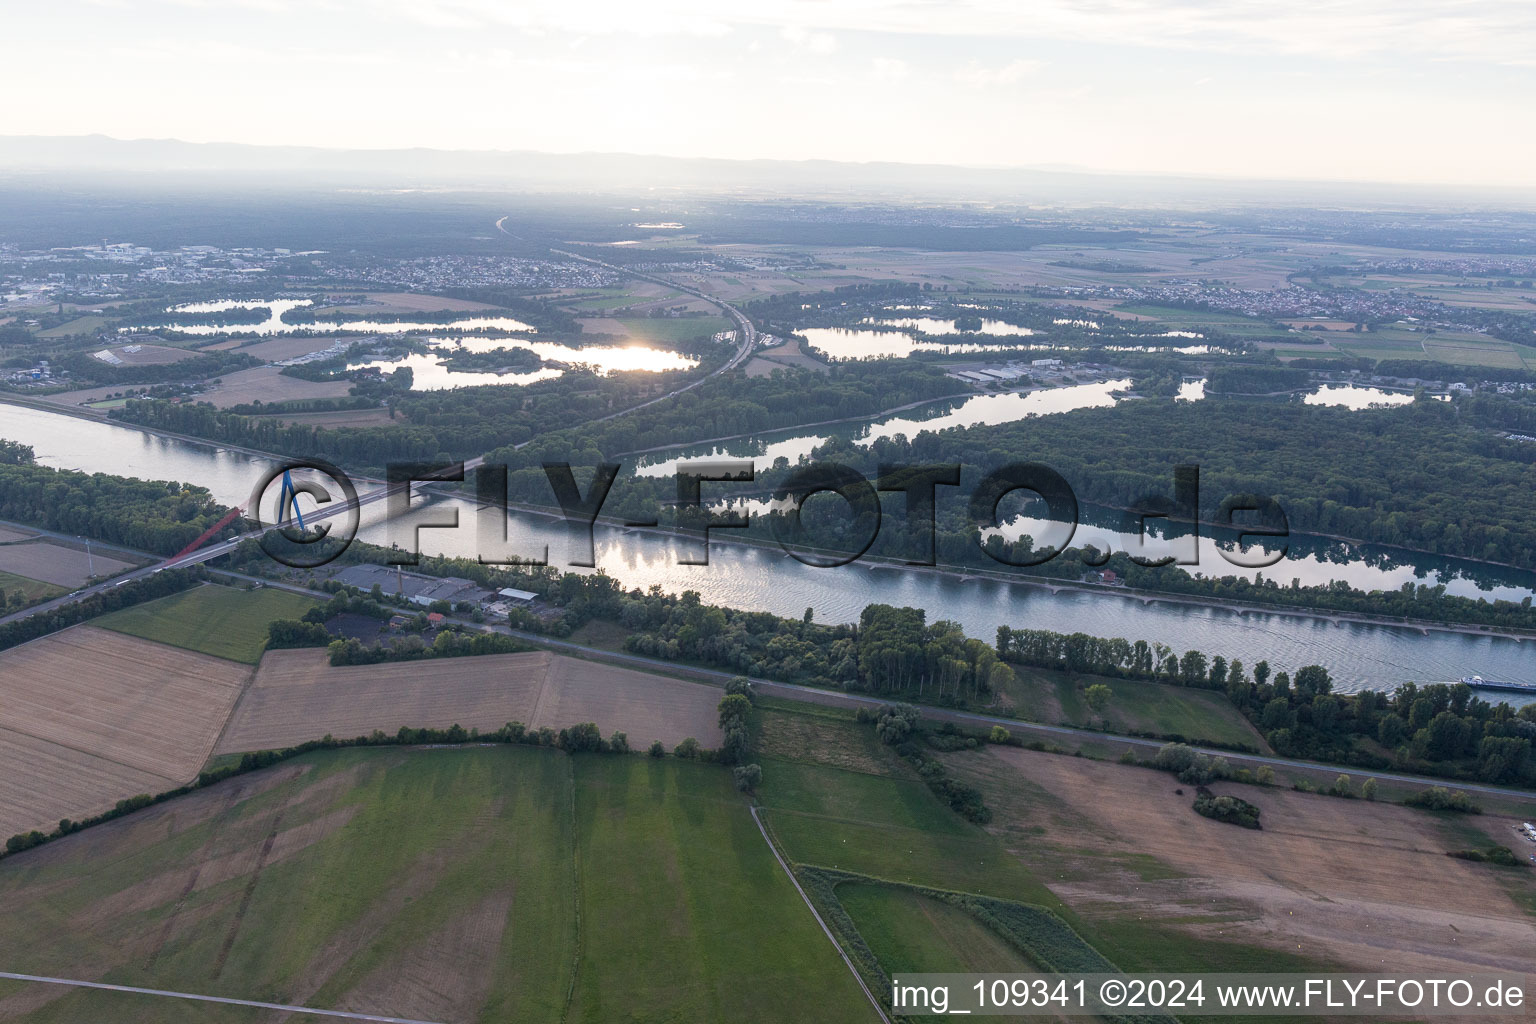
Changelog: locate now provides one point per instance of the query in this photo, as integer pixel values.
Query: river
(1359, 656)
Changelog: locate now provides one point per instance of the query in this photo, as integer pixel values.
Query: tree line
(1437, 729)
(151, 515)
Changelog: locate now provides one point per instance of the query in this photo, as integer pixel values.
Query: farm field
(1327, 881)
(783, 356)
(58, 564)
(89, 397)
(273, 349)
(474, 884)
(645, 706)
(211, 619)
(149, 355)
(911, 932)
(877, 818)
(1203, 716)
(723, 950)
(668, 331)
(90, 717)
(298, 695)
(408, 302)
(267, 384)
(32, 590)
(88, 324)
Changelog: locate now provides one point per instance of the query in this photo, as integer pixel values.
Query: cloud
(1486, 31)
(1012, 73)
(889, 69)
(814, 42)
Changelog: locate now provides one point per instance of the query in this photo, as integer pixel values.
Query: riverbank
(962, 574)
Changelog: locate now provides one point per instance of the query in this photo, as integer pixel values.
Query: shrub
(689, 749)
(1230, 809)
(1438, 798)
(1191, 766)
(747, 776)
(23, 841)
(1500, 855)
(657, 750)
(895, 723)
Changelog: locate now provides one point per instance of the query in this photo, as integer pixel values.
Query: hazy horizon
(1378, 93)
(426, 169)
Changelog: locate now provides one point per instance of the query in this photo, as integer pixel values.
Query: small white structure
(517, 596)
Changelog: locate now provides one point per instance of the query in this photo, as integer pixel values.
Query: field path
(817, 915)
(166, 993)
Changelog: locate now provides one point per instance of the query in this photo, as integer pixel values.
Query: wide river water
(753, 578)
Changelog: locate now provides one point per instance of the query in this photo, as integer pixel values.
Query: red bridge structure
(215, 528)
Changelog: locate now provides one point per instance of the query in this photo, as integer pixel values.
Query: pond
(275, 324)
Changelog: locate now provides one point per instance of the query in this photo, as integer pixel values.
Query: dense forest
(1388, 476)
(434, 425)
(151, 515)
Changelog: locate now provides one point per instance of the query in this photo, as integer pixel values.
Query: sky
(1362, 90)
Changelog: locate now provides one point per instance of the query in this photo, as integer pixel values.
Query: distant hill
(95, 155)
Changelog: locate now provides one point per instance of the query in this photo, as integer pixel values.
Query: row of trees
(1439, 728)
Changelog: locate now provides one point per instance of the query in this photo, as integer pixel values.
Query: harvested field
(644, 706)
(1344, 882)
(410, 302)
(786, 356)
(88, 717)
(602, 325)
(54, 563)
(9, 534)
(298, 695)
(267, 384)
(41, 782)
(280, 348)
